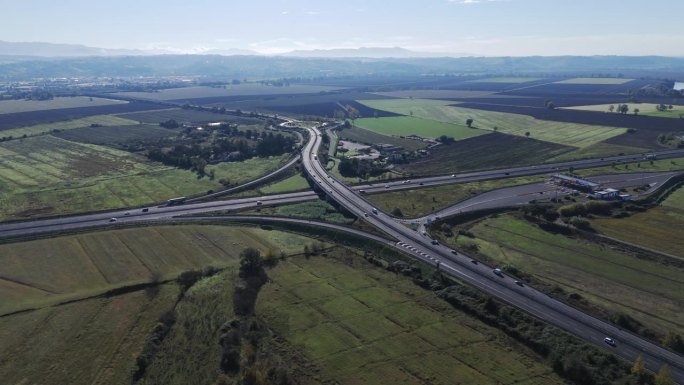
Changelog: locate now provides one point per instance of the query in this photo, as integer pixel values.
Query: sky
(473, 27)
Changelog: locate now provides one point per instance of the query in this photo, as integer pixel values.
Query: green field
(437, 94)
(617, 281)
(14, 106)
(405, 126)
(39, 129)
(570, 134)
(87, 342)
(505, 80)
(597, 150)
(190, 353)
(636, 166)
(42, 272)
(423, 201)
(46, 175)
(360, 135)
(653, 228)
(96, 341)
(648, 109)
(600, 81)
(358, 324)
(315, 210)
(294, 183)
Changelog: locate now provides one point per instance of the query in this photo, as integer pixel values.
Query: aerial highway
(459, 265)
(412, 242)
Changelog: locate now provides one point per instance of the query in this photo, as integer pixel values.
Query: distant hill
(368, 52)
(60, 50)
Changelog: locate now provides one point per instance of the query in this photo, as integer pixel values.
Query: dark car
(519, 283)
(498, 272)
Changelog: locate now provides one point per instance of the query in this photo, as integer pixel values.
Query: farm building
(609, 193)
(575, 182)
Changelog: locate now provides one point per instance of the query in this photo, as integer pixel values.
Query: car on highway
(498, 272)
(454, 252)
(127, 213)
(434, 242)
(386, 186)
(259, 203)
(112, 219)
(453, 175)
(519, 283)
(362, 191)
(474, 262)
(145, 210)
(609, 341)
(365, 214)
(375, 211)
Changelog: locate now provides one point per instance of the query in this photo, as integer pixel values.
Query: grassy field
(360, 135)
(653, 228)
(48, 175)
(293, 183)
(419, 202)
(190, 353)
(404, 126)
(362, 325)
(600, 81)
(617, 281)
(316, 210)
(570, 134)
(12, 106)
(637, 166)
(648, 109)
(42, 272)
(95, 341)
(88, 342)
(597, 150)
(504, 80)
(39, 129)
(435, 94)
(230, 90)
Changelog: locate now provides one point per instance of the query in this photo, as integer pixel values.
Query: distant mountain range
(39, 49)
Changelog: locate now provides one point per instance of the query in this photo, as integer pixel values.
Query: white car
(609, 341)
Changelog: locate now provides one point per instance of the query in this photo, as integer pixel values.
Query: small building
(386, 149)
(609, 193)
(575, 182)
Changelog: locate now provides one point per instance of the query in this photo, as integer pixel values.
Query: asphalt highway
(459, 265)
(414, 243)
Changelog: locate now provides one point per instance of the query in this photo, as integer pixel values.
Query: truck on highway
(176, 201)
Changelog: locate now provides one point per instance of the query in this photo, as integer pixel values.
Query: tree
(636, 111)
(611, 108)
(623, 109)
(250, 262)
(674, 341)
(397, 212)
(527, 134)
(638, 369)
(664, 377)
(469, 122)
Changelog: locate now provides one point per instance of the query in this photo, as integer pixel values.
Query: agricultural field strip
(41, 129)
(572, 134)
(246, 89)
(599, 81)
(14, 106)
(405, 126)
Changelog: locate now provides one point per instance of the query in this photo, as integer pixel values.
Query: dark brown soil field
(484, 152)
(23, 119)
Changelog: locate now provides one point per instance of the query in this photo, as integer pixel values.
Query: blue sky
(480, 27)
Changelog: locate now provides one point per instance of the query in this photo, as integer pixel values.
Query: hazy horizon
(473, 27)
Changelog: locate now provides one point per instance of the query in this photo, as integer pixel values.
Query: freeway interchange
(414, 243)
